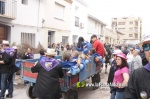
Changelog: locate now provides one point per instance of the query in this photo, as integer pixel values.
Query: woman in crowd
(49, 71)
(53, 46)
(111, 73)
(82, 44)
(121, 76)
(28, 54)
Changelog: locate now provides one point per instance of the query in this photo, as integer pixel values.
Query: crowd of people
(129, 75)
(130, 72)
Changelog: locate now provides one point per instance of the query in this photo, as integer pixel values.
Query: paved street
(85, 93)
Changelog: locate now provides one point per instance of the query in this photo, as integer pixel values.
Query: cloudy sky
(106, 9)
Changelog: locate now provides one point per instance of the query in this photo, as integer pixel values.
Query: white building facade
(57, 20)
(42, 21)
(23, 27)
(79, 21)
(34, 21)
(97, 27)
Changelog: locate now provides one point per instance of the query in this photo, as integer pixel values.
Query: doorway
(3, 33)
(64, 40)
(51, 39)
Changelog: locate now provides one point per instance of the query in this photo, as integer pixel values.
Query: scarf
(48, 63)
(147, 66)
(10, 52)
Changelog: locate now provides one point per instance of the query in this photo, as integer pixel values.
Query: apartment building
(57, 24)
(130, 26)
(35, 21)
(97, 27)
(110, 36)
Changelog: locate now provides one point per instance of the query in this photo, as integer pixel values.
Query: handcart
(68, 83)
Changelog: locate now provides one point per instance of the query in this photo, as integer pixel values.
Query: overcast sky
(107, 9)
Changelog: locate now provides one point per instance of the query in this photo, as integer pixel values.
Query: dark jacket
(9, 65)
(125, 51)
(112, 72)
(47, 84)
(139, 81)
(27, 56)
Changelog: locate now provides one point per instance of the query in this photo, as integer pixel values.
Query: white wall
(50, 19)
(27, 14)
(40, 36)
(82, 14)
(96, 28)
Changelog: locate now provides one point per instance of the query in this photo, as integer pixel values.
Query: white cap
(14, 47)
(50, 52)
(5, 42)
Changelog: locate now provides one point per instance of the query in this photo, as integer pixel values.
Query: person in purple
(7, 70)
(139, 82)
(28, 54)
(49, 71)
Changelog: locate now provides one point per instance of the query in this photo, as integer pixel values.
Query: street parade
(74, 49)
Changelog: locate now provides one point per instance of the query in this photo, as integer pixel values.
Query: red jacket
(99, 47)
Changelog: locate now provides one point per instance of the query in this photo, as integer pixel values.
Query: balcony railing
(8, 9)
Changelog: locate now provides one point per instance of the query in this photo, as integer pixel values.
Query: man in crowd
(125, 50)
(139, 82)
(7, 70)
(137, 59)
(99, 47)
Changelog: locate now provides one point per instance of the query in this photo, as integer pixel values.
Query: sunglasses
(146, 47)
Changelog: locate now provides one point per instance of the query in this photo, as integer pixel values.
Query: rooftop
(94, 18)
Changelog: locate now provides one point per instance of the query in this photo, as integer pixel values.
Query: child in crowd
(74, 56)
(70, 63)
(96, 56)
(75, 61)
(84, 58)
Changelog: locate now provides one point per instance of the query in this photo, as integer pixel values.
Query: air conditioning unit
(81, 25)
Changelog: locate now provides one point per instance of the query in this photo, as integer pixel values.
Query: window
(59, 11)
(121, 29)
(130, 23)
(136, 36)
(136, 29)
(28, 38)
(114, 23)
(136, 23)
(130, 29)
(121, 23)
(25, 2)
(77, 21)
(2, 7)
(130, 35)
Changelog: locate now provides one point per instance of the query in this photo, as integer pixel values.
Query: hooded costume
(47, 84)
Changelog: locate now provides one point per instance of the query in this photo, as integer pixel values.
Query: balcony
(8, 9)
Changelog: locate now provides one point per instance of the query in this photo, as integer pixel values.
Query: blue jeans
(6, 80)
(113, 93)
(119, 95)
